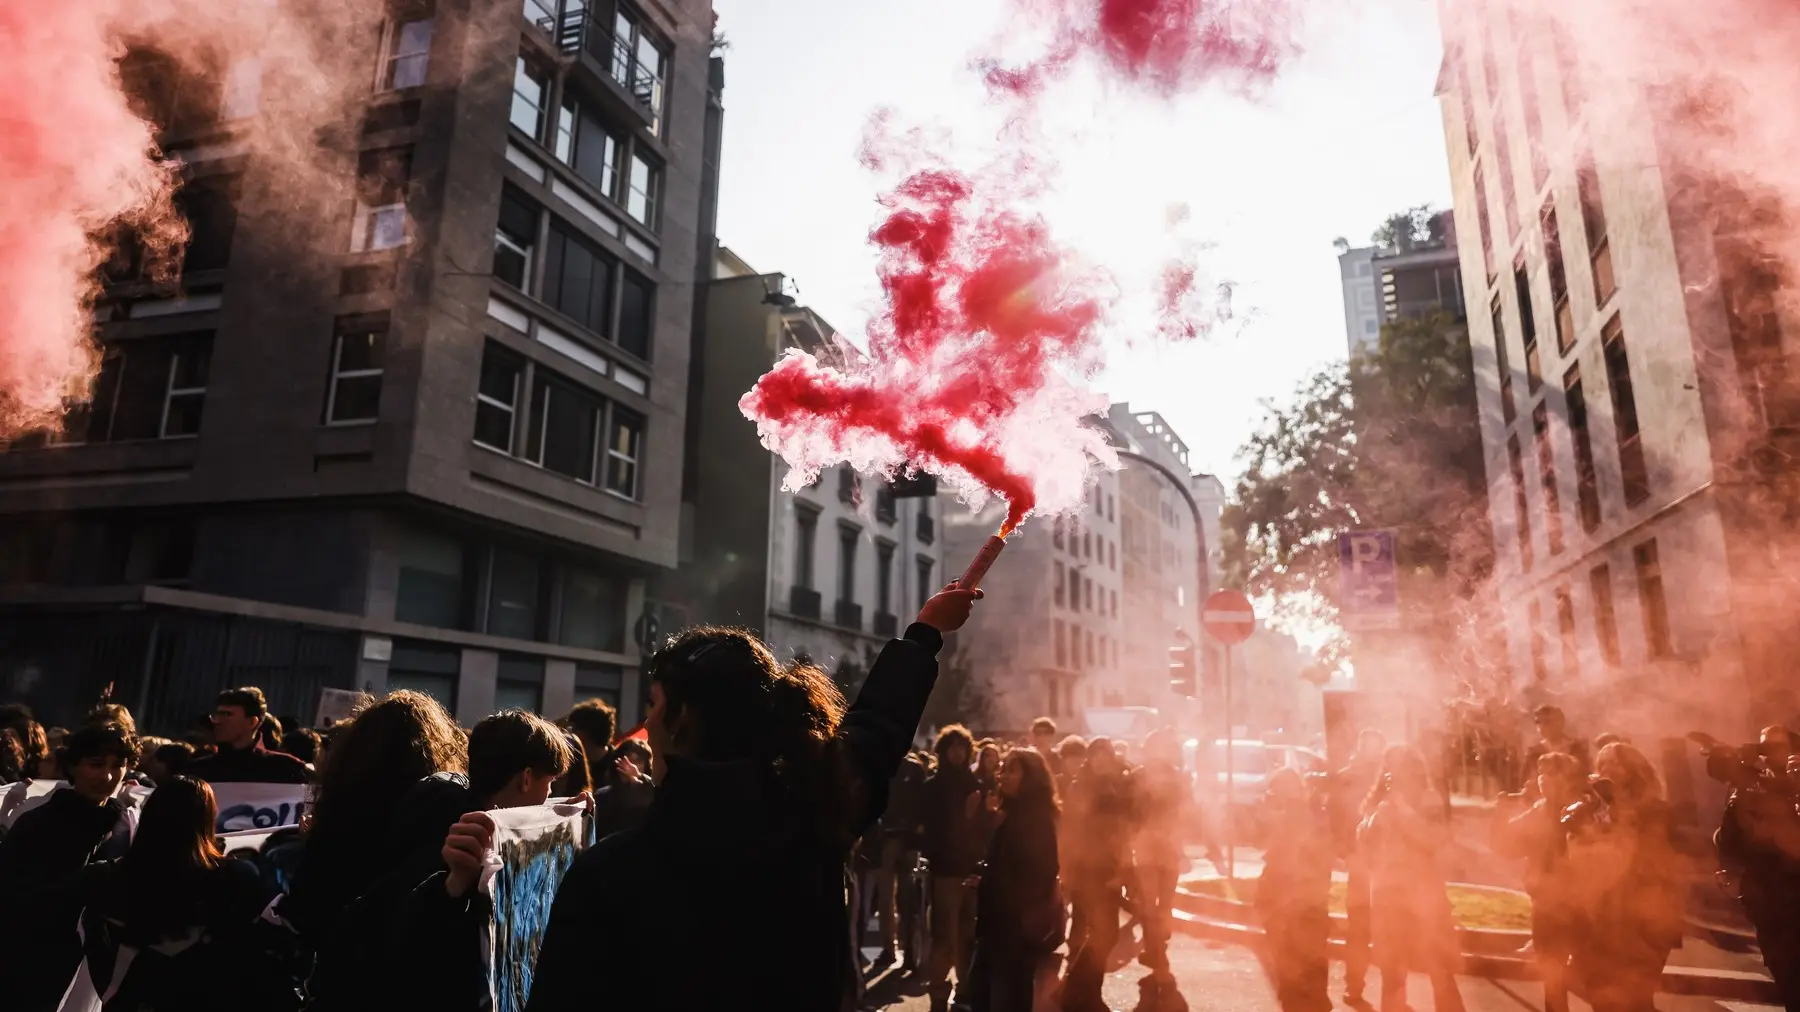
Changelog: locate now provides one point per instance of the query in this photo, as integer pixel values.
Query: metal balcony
(927, 531)
(804, 602)
(849, 615)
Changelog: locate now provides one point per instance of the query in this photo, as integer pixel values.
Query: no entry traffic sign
(1228, 617)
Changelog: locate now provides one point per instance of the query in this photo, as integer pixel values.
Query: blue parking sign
(1371, 590)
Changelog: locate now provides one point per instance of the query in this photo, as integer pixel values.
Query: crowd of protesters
(757, 824)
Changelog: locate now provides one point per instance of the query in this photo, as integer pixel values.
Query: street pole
(1230, 784)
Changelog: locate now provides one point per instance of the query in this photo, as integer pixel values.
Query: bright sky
(1350, 135)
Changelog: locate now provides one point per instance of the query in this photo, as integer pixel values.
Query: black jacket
(1018, 903)
(253, 765)
(951, 807)
(40, 876)
(349, 901)
(717, 901)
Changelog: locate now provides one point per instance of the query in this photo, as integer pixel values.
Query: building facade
(1417, 275)
(825, 574)
(1635, 410)
(426, 436)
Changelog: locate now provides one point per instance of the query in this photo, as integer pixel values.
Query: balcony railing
(848, 615)
(804, 602)
(927, 531)
(575, 31)
(886, 624)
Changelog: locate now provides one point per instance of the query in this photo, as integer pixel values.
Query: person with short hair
(170, 759)
(303, 744)
(515, 757)
(1345, 791)
(1553, 736)
(41, 860)
(242, 758)
(598, 725)
(952, 850)
(1535, 834)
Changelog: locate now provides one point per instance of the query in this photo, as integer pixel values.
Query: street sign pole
(1229, 618)
(1230, 785)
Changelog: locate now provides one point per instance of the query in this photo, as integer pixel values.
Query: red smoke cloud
(973, 367)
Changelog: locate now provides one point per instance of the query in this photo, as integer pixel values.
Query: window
(1087, 544)
(884, 577)
(1568, 66)
(542, 13)
(1467, 90)
(426, 668)
(513, 593)
(1593, 217)
(1501, 364)
(638, 63)
(381, 182)
(1559, 281)
(1586, 485)
(1650, 595)
(1540, 669)
(1112, 555)
(1087, 593)
(514, 237)
(636, 297)
(1521, 510)
(806, 531)
(497, 399)
(1606, 624)
(1059, 585)
(564, 421)
(640, 198)
(1546, 454)
(210, 208)
(1565, 627)
(599, 681)
(588, 147)
(1534, 119)
(431, 588)
(1750, 282)
(407, 54)
(1062, 653)
(592, 610)
(1509, 198)
(578, 279)
(847, 539)
(186, 395)
(1633, 473)
(1482, 223)
(531, 89)
(355, 391)
(624, 448)
(1090, 647)
(519, 684)
(926, 589)
(1056, 537)
(1522, 289)
(1115, 602)
(168, 95)
(1074, 589)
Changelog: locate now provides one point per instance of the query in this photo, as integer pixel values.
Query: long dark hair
(726, 698)
(174, 845)
(1037, 788)
(1404, 771)
(387, 747)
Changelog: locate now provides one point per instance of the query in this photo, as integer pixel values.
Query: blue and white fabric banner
(533, 849)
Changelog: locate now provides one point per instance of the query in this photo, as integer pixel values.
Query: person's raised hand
(465, 849)
(627, 769)
(949, 608)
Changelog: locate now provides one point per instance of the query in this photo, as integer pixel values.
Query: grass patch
(1492, 909)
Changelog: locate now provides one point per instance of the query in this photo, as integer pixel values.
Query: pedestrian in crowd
(1622, 857)
(952, 820)
(169, 759)
(12, 756)
(764, 782)
(596, 723)
(1043, 739)
(1604, 739)
(242, 757)
(1553, 736)
(391, 787)
(1536, 834)
(1759, 846)
(1071, 756)
(1100, 812)
(1163, 798)
(1293, 894)
(1346, 791)
(900, 833)
(576, 780)
(303, 744)
(118, 715)
(1019, 907)
(1404, 836)
(41, 859)
(171, 925)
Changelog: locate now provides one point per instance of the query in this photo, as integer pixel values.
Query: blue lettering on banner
(253, 816)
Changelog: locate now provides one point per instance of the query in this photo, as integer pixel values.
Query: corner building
(435, 441)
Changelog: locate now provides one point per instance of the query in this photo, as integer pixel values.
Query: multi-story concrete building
(827, 573)
(429, 436)
(1413, 277)
(1048, 638)
(1636, 411)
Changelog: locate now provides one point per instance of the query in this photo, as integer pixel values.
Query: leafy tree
(1389, 440)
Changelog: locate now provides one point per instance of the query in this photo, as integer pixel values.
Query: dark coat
(952, 814)
(40, 875)
(349, 898)
(719, 902)
(1018, 904)
(253, 765)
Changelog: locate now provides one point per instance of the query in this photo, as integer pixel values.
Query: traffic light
(1182, 671)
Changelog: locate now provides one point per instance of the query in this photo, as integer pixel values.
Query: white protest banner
(22, 797)
(533, 849)
(336, 705)
(259, 806)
